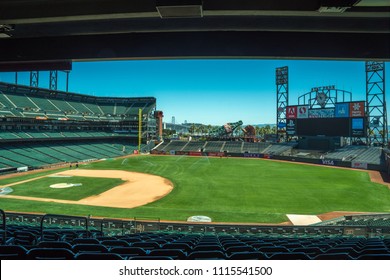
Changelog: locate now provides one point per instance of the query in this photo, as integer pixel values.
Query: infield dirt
(139, 189)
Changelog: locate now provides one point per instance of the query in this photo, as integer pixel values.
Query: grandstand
(38, 103)
(372, 155)
(67, 237)
(348, 156)
(41, 127)
(224, 146)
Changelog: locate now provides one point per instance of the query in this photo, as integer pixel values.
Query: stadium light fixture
(179, 8)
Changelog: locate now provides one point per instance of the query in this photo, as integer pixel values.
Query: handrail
(4, 226)
(121, 222)
(156, 224)
(64, 216)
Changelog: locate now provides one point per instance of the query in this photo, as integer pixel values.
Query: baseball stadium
(79, 168)
(87, 177)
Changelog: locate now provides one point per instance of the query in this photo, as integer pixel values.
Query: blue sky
(208, 91)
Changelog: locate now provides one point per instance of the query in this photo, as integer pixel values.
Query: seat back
(50, 254)
(12, 252)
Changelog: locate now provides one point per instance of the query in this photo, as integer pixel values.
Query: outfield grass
(89, 186)
(235, 190)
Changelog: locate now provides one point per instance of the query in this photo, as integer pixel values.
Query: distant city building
(173, 120)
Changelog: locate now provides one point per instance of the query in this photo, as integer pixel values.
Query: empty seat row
(134, 253)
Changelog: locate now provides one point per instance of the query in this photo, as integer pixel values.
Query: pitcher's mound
(64, 185)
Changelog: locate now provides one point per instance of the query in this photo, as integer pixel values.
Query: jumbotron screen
(345, 119)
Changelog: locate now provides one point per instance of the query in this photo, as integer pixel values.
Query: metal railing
(4, 227)
(47, 218)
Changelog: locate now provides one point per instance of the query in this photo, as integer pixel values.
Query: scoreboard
(345, 119)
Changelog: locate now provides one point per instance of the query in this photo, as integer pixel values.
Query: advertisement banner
(356, 109)
(172, 152)
(303, 112)
(195, 153)
(252, 155)
(22, 169)
(342, 110)
(291, 112)
(357, 127)
(291, 127)
(359, 165)
(180, 153)
(321, 113)
(214, 154)
(328, 162)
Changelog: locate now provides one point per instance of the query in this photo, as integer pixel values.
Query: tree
(168, 132)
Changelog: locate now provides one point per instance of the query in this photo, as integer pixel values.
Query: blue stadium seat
(312, 252)
(207, 255)
(115, 243)
(176, 254)
(55, 244)
(127, 252)
(374, 257)
(150, 258)
(334, 256)
(49, 254)
(98, 256)
(270, 250)
(85, 241)
(248, 256)
(146, 245)
(212, 247)
(290, 256)
(182, 246)
(12, 252)
(81, 248)
(26, 238)
(241, 248)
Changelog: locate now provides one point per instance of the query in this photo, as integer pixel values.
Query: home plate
(303, 220)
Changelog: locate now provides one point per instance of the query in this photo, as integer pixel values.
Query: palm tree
(209, 128)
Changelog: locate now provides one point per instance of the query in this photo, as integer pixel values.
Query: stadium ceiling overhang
(37, 30)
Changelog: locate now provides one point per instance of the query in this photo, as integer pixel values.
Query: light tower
(282, 100)
(34, 79)
(53, 78)
(376, 104)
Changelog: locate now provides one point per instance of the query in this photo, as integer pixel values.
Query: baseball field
(176, 187)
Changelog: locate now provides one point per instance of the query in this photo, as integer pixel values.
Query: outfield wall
(327, 162)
